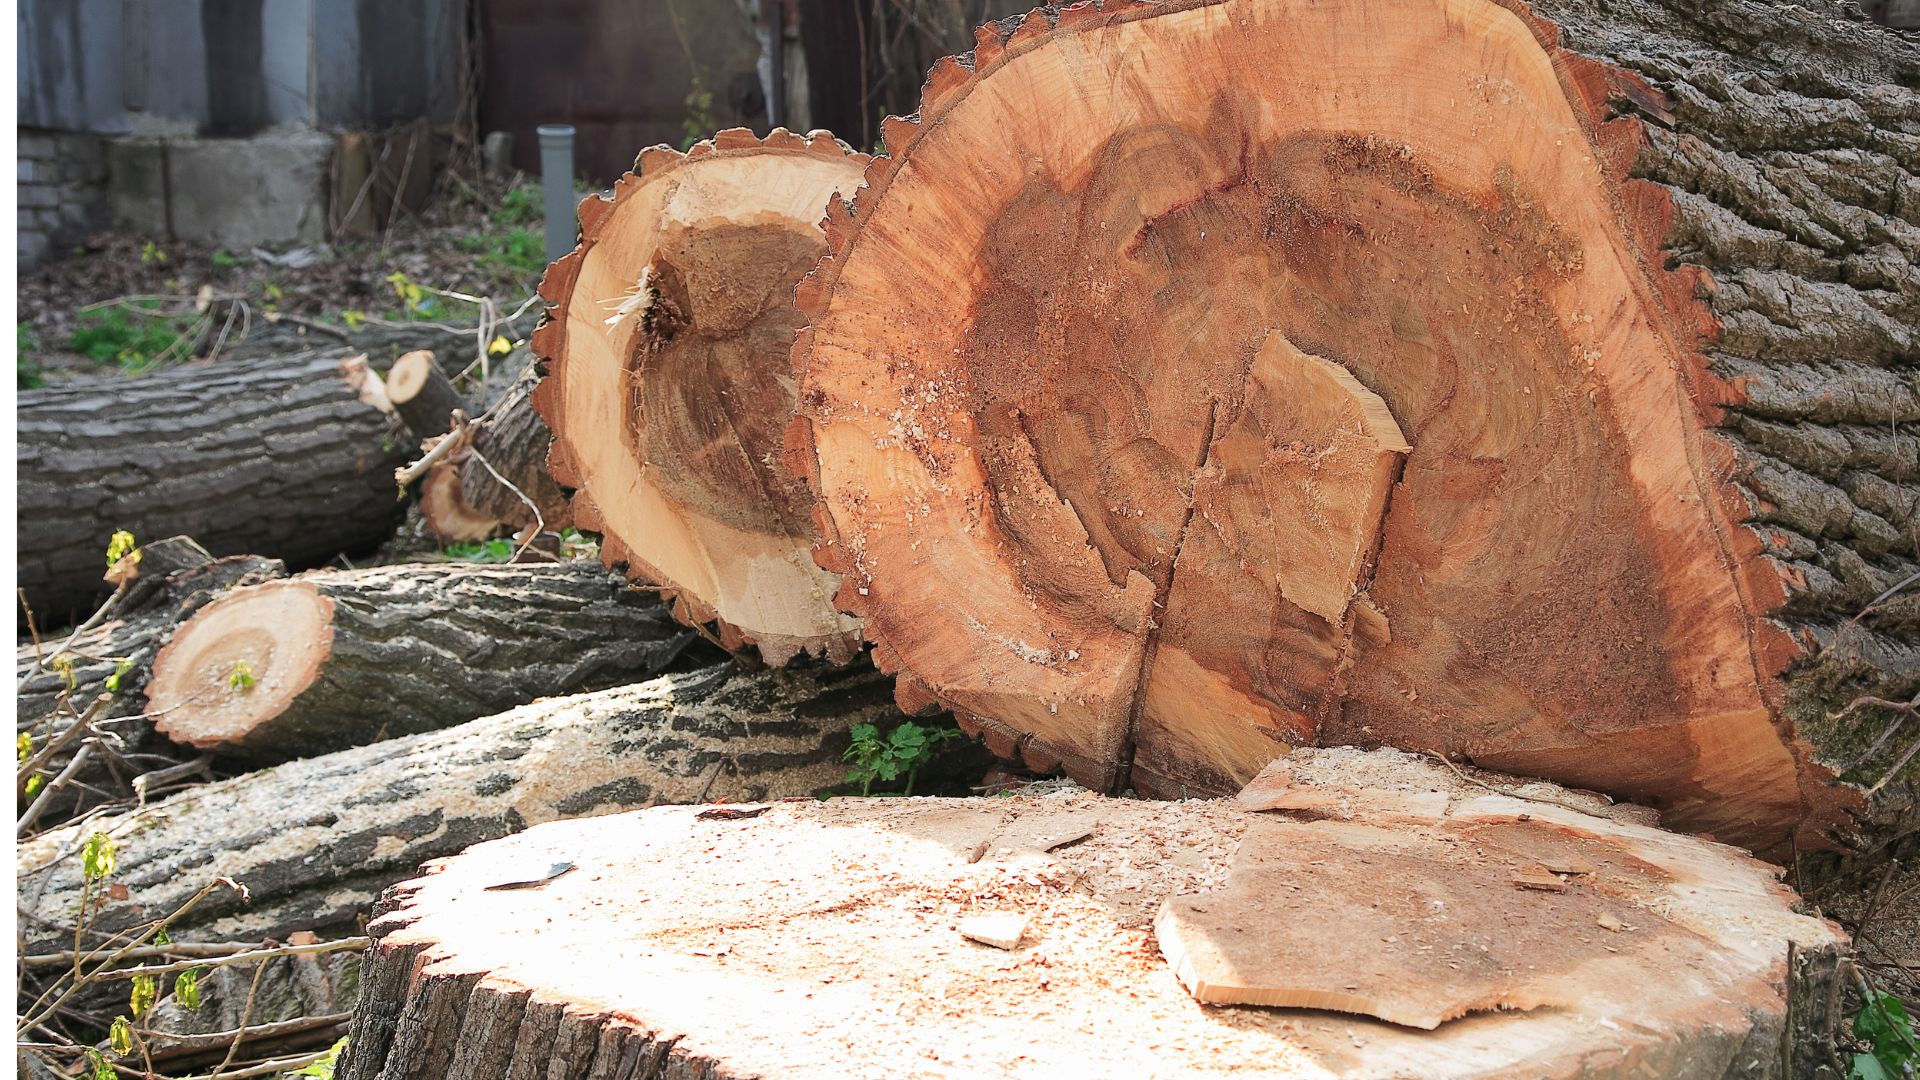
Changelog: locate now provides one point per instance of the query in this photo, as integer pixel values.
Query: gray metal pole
(556, 181)
(776, 62)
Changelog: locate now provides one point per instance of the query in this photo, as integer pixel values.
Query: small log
(1524, 393)
(169, 581)
(422, 394)
(463, 498)
(278, 457)
(333, 659)
(669, 384)
(315, 841)
(826, 940)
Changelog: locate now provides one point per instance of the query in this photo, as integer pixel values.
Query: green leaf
(102, 1068)
(34, 784)
(145, 991)
(24, 744)
(1868, 1067)
(241, 677)
(119, 546)
(323, 1069)
(120, 1036)
(119, 672)
(186, 988)
(96, 859)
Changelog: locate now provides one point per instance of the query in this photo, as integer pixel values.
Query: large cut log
(315, 841)
(338, 658)
(1308, 373)
(278, 457)
(852, 938)
(484, 487)
(669, 388)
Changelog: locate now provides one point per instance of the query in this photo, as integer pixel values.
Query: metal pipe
(556, 182)
(776, 62)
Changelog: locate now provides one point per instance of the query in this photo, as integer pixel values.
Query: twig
(146, 952)
(265, 1068)
(406, 475)
(73, 732)
(144, 784)
(539, 520)
(185, 1045)
(1897, 766)
(1498, 790)
(45, 798)
(315, 949)
(246, 1014)
(94, 620)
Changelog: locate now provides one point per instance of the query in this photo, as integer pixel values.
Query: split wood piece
(823, 940)
(315, 841)
(278, 457)
(422, 394)
(463, 500)
(333, 658)
(1208, 429)
(668, 385)
(1471, 902)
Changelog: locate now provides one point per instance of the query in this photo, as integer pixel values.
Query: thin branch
(315, 949)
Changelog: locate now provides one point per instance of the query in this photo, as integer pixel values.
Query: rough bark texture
(315, 841)
(289, 669)
(1088, 484)
(462, 499)
(275, 457)
(668, 385)
(823, 940)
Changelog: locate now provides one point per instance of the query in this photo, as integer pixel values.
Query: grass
(133, 337)
(513, 244)
(27, 369)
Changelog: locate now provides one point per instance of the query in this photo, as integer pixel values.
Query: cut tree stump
(668, 384)
(463, 499)
(422, 394)
(339, 658)
(315, 841)
(278, 457)
(1309, 373)
(827, 940)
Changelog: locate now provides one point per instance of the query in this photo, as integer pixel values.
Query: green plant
(135, 336)
(226, 260)
(323, 1068)
(481, 551)
(519, 206)
(700, 121)
(1884, 1024)
(904, 752)
(241, 678)
(120, 545)
(151, 254)
(519, 251)
(27, 370)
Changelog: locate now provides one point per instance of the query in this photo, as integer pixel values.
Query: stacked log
(315, 841)
(497, 481)
(279, 456)
(668, 387)
(1539, 408)
(334, 659)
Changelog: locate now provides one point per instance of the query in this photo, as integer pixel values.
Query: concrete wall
(236, 67)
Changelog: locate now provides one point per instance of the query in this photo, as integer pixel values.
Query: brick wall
(63, 191)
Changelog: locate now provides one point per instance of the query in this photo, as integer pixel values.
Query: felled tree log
(422, 394)
(315, 841)
(1338, 389)
(668, 385)
(831, 940)
(462, 498)
(278, 457)
(168, 581)
(338, 658)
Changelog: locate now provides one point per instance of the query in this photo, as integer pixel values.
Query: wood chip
(1000, 929)
(1539, 877)
(731, 813)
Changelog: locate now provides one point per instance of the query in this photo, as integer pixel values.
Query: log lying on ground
(464, 498)
(167, 582)
(1206, 412)
(277, 457)
(339, 658)
(826, 940)
(315, 841)
(669, 387)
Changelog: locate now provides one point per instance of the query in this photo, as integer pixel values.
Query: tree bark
(462, 499)
(275, 457)
(1098, 439)
(334, 659)
(678, 302)
(315, 841)
(829, 939)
